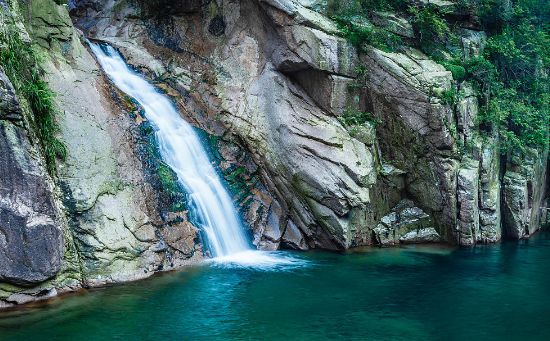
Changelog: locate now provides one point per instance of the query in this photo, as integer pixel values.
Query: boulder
(421, 236)
(405, 223)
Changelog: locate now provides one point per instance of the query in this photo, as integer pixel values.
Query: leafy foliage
(363, 35)
(21, 64)
(512, 75)
(432, 29)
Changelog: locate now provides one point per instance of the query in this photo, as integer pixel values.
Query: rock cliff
(271, 83)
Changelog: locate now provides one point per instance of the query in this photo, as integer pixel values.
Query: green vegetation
(363, 35)
(352, 117)
(21, 64)
(165, 180)
(451, 96)
(511, 77)
(350, 14)
(171, 186)
(431, 27)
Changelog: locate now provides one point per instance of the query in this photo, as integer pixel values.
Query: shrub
(511, 77)
(430, 26)
(364, 35)
(458, 71)
(21, 63)
(22, 66)
(352, 117)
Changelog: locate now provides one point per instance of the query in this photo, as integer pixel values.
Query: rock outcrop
(31, 238)
(277, 77)
(523, 195)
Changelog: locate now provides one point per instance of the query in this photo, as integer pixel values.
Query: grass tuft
(21, 63)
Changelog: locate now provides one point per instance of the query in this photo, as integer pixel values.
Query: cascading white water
(181, 148)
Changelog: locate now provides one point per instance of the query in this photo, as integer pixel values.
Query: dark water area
(498, 292)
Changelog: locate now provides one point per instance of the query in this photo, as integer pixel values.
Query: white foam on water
(260, 260)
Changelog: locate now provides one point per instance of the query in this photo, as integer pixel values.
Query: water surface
(499, 292)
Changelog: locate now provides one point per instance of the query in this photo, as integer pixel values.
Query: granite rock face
(31, 240)
(523, 195)
(279, 77)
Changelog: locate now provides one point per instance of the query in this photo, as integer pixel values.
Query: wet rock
(273, 230)
(293, 237)
(217, 26)
(180, 237)
(112, 203)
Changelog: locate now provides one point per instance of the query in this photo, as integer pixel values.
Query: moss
(171, 186)
(171, 194)
(237, 177)
(450, 96)
(21, 63)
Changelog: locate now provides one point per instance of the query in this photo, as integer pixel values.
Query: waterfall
(181, 149)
